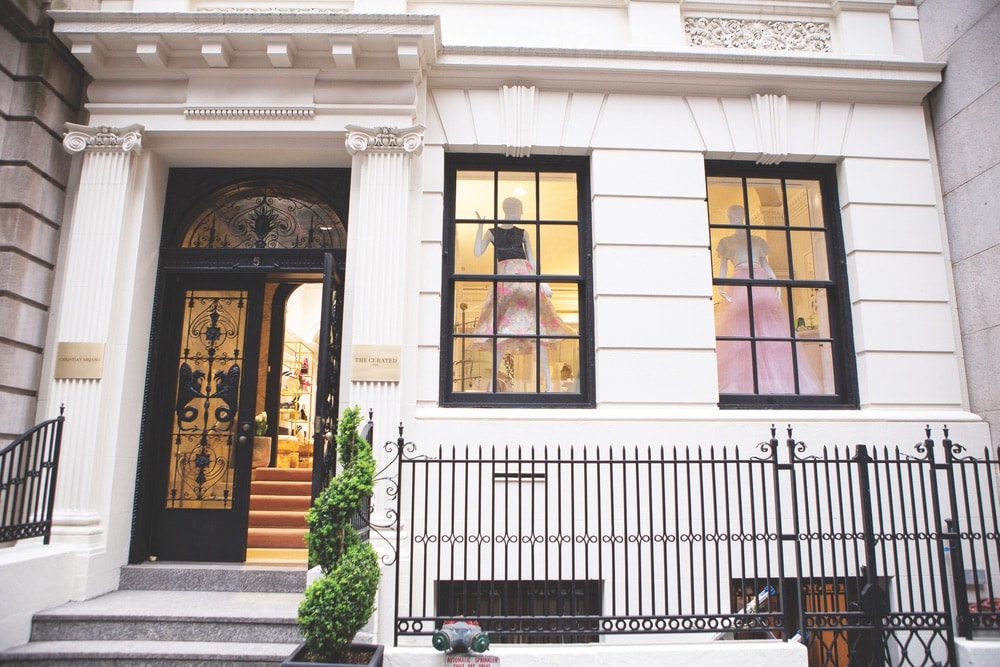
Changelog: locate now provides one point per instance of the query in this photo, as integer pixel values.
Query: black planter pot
(298, 659)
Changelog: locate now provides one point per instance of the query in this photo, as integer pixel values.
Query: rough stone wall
(41, 88)
(964, 111)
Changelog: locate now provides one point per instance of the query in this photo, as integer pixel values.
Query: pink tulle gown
(775, 370)
(515, 312)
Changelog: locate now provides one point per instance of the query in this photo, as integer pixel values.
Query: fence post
(400, 445)
(788, 619)
(870, 649)
(950, 530)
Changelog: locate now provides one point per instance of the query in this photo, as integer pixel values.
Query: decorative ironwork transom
(264, 214)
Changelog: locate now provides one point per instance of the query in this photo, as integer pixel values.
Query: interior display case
(296, 406)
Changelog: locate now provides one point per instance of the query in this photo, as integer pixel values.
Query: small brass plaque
(79, 361)
(375, 363)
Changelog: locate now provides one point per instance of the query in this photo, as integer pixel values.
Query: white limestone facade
(646, 90)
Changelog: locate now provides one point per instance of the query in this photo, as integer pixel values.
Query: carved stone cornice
(270, 10)
(385, 139)
(758, 34)
(79, 138)
(161, 43)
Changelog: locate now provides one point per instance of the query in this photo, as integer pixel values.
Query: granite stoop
(174, 614)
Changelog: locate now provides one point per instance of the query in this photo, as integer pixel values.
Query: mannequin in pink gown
(775, 370)
(515, 302)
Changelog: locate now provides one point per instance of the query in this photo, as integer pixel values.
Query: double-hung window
(516, 291)
(782, 318)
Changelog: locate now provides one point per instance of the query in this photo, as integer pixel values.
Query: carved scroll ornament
(385, 139)
(79, 138)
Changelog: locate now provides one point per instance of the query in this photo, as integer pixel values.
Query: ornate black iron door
(327, 377)
(206, 452)
(229, 236)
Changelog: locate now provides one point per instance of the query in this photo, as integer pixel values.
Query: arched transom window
(264, 214)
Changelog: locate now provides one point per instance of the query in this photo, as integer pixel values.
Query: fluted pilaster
(86, 311)
(378, 235)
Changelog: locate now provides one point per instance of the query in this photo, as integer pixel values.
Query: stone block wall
(41, 88)
(963, 112)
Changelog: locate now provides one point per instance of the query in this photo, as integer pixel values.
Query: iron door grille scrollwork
(206, 405)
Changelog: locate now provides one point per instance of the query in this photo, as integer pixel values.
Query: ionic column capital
(79, 138)
(385, 139)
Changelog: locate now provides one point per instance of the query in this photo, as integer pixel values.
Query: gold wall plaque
(79, 361)
(375, 363)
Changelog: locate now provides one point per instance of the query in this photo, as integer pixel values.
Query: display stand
(295, 410)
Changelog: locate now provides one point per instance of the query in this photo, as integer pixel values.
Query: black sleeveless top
(509, 243)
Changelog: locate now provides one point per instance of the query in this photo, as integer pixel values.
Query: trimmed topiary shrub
(342, 599)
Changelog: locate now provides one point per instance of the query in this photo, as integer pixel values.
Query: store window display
(780, 319)
(516, 310)
(516, 279)
(773, 365)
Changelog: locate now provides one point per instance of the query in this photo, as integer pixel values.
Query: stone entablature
(115, 41)
(349, 55)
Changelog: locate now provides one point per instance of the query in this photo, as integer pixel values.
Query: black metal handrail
(28, 468)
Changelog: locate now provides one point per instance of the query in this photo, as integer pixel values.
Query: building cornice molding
(703, 71)
(154, 42)
(80, 138)
(238, 20)
(125, 46)
(827, 8)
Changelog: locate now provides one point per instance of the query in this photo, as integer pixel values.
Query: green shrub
(342, 599)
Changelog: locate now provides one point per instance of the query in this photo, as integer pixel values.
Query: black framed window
(516, 321)
(782, 316)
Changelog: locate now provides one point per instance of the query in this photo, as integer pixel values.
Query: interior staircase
(279, 500)
(168, 615)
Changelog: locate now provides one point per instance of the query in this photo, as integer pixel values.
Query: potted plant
(261, 441)
(341, 600)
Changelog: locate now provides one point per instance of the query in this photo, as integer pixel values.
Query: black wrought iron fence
(28, 468)
(973, 529)
(859, 553)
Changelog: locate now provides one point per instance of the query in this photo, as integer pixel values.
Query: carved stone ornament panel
(757, 34)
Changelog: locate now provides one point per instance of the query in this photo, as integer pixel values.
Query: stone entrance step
(174, 614)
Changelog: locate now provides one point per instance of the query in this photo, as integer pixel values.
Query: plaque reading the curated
(375, 363)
